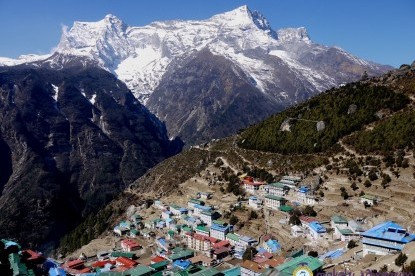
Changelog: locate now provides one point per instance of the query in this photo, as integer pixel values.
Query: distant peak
(293, 34)
(244, 16)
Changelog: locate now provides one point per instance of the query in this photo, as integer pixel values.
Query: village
(203, 232)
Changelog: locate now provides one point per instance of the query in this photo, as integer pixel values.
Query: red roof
(130, 243)
(120, 268)
(157, 259)
(74, 264)
(31, 255)
(126, 262)
(253, 183)
(221, 250)
(202, 237)
(307, 219)
(221, 244)
(248, 179)
(85, 270)
(102, 263)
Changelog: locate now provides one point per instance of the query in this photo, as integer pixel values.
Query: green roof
(234, 271)
(207, 213)
(140, 270)
(370, 197)
(183, 254)
(174, 206)
(232, 236)
(158, 265)
(134, 231)
(277, 185)
(196, 201)
(203, 228)
(17, 267)
(208, 272)
(171, 233)
(346, 231)
(217, 221)
(186, 228)
(287, 269)
(286, 208)
(122, 254)
(339, 219)
(275, 197)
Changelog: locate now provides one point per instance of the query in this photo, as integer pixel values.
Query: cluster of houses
(272, 195)
(193, 240)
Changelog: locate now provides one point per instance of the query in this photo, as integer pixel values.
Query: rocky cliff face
(70, 141)
(209, 97)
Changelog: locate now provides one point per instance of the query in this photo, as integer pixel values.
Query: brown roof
(275, 261)
(201, 258)
(252, 266)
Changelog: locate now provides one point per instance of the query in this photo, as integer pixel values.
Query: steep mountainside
(285, 65)
(70, 141)
(219, 99)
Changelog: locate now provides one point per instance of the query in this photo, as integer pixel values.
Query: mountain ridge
(286, 66)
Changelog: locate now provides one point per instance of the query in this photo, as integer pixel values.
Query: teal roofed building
(287, 269)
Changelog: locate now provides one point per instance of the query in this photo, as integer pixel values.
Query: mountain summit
(283, 66)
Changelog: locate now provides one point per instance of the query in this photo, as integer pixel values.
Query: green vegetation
(343, 111)
(351, 244)
(253, 215)
(401, 259)
(396, 132)
(249, 253)
(88, 230)
(233, 220)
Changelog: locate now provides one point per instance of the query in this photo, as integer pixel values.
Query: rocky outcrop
(70, 141)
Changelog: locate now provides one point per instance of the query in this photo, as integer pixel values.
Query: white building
(369, 199)
(316, 231)
(305, 195)
(255, 202)
(274, 202)
(206, 217)
(219, 231)
(342, 230)
(277, 189)
(297, 231)
(386, 238)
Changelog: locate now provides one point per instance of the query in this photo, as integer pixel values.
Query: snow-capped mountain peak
(293, 34)
(140, 56)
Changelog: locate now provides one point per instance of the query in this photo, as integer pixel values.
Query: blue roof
(390, 231)
(182, 264)
(219, 227)
(182, 209)
(190, 219)
(8, 243)
(304, 189)
(317, 227)
(204, 208)
(273, 245)
(332, 254)
(247, 239)
(253, 197)
(162, 241)
(57, 271)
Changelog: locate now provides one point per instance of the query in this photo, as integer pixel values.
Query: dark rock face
(206, 97)
(70, 141)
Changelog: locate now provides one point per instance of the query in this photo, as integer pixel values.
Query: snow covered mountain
(284, 65)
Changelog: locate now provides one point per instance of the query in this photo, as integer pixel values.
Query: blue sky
(378, 30)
